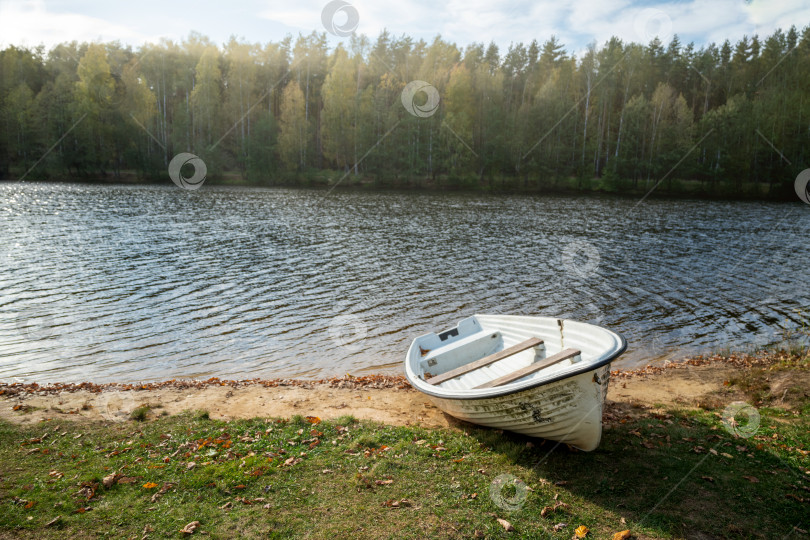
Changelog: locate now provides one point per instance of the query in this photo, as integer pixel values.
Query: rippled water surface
(132, 283)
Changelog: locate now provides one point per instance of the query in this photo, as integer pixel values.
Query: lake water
(129, 283)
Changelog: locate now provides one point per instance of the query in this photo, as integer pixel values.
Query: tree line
(621, 116)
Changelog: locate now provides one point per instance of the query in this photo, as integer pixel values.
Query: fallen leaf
(506, 525)
(313, 420)
(726, 455)
(53, 521)
(752, 479)
(88, 490)
(109, 480)
(190, 528)
(708, 478)
(393, 503)
(127, 480)
(30, 504)
(623, 535)
(383, 482)
(581, 531)
(549, 509)
(166, 487)
(560, 526)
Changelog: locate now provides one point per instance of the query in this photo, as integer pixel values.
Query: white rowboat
(540, 376)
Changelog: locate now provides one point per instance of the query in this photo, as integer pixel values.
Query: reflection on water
(134, 283)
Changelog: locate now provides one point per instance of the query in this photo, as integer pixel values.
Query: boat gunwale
(423, 387)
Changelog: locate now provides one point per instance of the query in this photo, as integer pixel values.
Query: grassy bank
(659, 473)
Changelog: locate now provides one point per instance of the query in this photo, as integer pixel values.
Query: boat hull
(568, 411)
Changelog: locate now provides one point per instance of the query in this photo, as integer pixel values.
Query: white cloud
(29, 22)
(779, 13)
(576, 23)
(301, 16)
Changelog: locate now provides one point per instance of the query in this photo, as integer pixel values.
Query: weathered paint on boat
(563, 403)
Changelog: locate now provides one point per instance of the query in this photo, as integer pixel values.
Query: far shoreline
(571, 187)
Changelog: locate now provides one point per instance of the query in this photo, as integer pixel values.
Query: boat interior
(475, 356)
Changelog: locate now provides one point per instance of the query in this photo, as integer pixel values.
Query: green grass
(657, 475)
(140, 414)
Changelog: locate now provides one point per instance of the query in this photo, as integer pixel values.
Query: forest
(720, 119)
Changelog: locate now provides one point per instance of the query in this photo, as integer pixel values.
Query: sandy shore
(387, 399)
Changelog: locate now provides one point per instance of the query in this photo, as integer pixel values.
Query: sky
(576, 23)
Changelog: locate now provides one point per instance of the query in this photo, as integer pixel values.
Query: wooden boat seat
(533, 368)
(487, 360)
